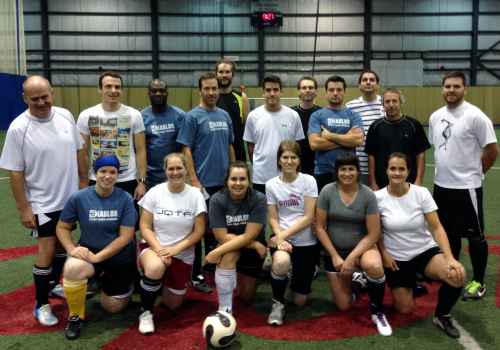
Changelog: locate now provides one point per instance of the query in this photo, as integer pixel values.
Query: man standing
(307, 89)
(267, 126)
(369, 106)
(206, 135)
(235, 103)
(395, 132)
(465, 148)
(333, 130)
(43, 153)
(162, 122)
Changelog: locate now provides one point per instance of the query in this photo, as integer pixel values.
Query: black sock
(149, 292)
(356, 287)
(41, 276)
(57, 268)
(447, 297)
(278, 283)
(455, 246)
(376, 291)
(197, 260)
(478, 251)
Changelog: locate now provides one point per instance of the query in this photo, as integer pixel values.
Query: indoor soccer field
(316, 326)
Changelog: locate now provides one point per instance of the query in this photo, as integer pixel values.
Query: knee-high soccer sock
(149, 292)
(197, 260)
(447, 297)
(225, 281)
(57, 268)
(478, 251)
(76, 292)
(376, 291)
(455, 246)
(41, 275)
(278, 283)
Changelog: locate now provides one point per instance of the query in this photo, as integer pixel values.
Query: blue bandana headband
(107, 161)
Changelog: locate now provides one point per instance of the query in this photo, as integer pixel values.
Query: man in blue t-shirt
(162, 122)
(333, 130)
(207, 138)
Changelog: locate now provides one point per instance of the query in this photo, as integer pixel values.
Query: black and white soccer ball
(219, 329)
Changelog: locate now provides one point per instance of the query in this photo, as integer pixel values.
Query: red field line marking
(17, 252)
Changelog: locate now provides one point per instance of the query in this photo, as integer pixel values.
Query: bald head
(39, 96)
(157, 82)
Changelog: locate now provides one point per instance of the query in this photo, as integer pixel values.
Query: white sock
(225, 281)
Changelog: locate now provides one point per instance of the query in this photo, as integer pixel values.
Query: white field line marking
(4, 178)
(433, 165)
(466, 340)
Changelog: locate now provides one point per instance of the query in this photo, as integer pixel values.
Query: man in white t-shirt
(370, 108)
(267, 126)
(43, 153)
(465, 148)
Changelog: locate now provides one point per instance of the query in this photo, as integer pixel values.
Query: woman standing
(407, 247)
(291, 199)
(172, 222)
(107, 221)
(237, 216)
(349, 210)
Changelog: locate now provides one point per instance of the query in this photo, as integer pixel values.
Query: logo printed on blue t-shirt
(103, 215)
(217, 126)
(158, 129)
(338, 122)
(236, 220)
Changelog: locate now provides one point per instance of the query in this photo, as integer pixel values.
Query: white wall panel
(121, 6)
(422, 6)
(99, 23)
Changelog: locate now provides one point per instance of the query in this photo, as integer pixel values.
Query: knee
(403, 308)
(280, 267)
(454, 280)
(75, 269)
(113, 305)
(228, 261)
(155, 270)
(373, 269)
(299, 299)
(343, 306)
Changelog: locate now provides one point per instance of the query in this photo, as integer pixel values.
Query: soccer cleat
(359, 277)
(93, 287)
(146, 324)
(473, 291)
(57, 292)
(200, 284)
(75, 323)
(446, 324)
(384, 328)
(45, 316)
(277, 314)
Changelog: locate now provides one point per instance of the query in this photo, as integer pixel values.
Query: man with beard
(235, 103)
(307, 89)
(333, 130)
(162, 122)
(465, 148)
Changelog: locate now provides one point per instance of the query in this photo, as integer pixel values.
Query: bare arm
(246, 108)
(489, 156)
(193, 179)
(86, 151)
(319, 226)
(141, 163)
(230, 150)
(189, 241)
(126, 234)
(25, 213)
(146, 226)
(250, 146)
(83, 171)
(420, 158)
(354, 138)
(387, 260)
(318, 143)
(371, 173)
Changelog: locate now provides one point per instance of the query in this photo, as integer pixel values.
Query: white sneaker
(45, 316)
(359, 277)
(277, 314)
(146, 325)
(57, 292)
(384, 328)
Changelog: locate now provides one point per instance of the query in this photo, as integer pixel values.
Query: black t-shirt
(307, 162)
(231, 104)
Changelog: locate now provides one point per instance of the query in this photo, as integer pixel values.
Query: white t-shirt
(113, 133)
(459, 136)
(369, 112)
(404, 227)
(267, 130)
(45, 149)
(173, 215)
(290, 200)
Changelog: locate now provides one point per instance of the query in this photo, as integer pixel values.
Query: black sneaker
(72, 332)
(93, 287)
(200, 284)
(419, 289)
(446, 324)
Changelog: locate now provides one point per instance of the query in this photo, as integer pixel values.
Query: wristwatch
(142, 180)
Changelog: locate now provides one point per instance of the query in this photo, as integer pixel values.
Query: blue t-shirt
(208, 133)
(100, 219)
(338, 122)
(161, 135)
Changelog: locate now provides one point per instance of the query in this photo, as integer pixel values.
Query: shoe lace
(45, 311)
(146, 319)
(473, 286)
(447, 321)
(276, 309)
(381, 319)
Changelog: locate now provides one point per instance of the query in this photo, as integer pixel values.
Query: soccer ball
(219, 329)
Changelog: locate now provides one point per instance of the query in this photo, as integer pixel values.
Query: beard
(228, 84)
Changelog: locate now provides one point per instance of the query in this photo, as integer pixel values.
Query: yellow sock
(76, 293)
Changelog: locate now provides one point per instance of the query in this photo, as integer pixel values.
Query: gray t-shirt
(346, 224)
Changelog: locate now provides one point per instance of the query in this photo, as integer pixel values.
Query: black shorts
(250, 263)
(328, 263)
(117, 280)
(304, 261)
(48, 228)
(260, 187)
(323, 179)
(407, 273)
(460, 211)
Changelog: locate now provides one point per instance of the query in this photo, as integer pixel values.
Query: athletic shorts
(304, 261)
(260, 187)
(117, 280)
(177, 276)
(46, 224)
(460, 211)
(407, 273)
(328, 263)
(250, 263)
